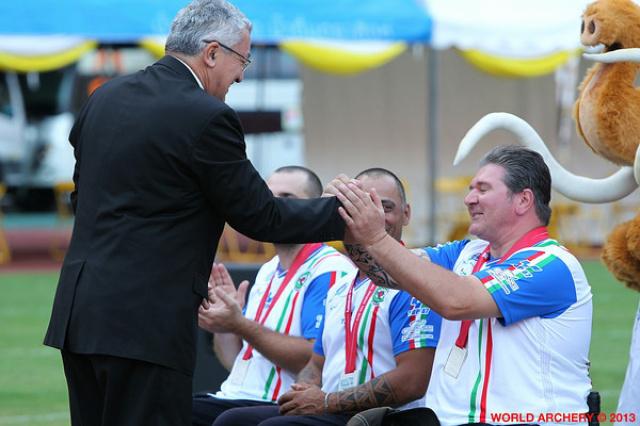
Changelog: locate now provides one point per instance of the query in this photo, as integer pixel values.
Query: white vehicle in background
(37, 112)
(35, 120)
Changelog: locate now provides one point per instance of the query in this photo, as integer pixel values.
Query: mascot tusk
(620, 55)
(612, 188)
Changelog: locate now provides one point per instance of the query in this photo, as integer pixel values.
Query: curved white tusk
(578, 188)
(620, 55)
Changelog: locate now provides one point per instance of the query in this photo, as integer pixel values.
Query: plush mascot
(607, 115)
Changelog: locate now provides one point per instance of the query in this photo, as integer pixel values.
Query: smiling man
(516, 305)
(266, 344)
(161, 166)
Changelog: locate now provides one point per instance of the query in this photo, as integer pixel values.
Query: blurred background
(339, 88)
(395, 84)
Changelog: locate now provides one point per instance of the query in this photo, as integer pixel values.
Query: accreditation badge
(455, 361)
(239, 371)
(348, 380)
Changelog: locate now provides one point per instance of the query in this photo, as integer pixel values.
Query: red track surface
(37, 249)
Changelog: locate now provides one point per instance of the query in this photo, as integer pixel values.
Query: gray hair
(524, 168)
(206, 20)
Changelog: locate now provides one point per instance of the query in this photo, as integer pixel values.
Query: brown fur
(604, 112)
(607, 115)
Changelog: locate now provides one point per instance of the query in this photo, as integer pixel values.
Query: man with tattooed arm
(375, 347)
(516, 305)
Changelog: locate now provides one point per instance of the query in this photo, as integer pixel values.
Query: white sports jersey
(392, 323)
(531, 365)
(628, 412)
(298, 312)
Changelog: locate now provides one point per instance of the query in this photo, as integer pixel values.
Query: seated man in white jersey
(516, 305)
(265, 346)
(375, 347)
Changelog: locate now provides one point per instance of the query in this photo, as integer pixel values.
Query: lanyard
(300, 258)
(351, 332)
(529, 239)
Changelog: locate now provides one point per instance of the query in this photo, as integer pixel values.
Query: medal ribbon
(531, 238)
(300, 258)
(351, 332)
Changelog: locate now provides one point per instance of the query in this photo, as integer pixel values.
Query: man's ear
(209, 54)
(525, 201)
(407, 215)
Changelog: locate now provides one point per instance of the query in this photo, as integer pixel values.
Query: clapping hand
(227, 302)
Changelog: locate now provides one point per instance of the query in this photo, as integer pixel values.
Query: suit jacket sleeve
(242, 198)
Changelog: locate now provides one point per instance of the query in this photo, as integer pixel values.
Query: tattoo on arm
(375, 393)
(369, 266)
(366, 263)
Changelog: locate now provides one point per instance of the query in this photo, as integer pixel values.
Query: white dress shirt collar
(194, 74)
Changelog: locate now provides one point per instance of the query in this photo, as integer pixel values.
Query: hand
(332, 187)
(302, 399)
(362, 213)
(225, 310)
(220, 278)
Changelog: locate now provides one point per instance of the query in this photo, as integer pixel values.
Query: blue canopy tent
(122, 21)
(46, 34)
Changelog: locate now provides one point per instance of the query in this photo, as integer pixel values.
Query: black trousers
(269, 416)
(206, 409)
(112, 391)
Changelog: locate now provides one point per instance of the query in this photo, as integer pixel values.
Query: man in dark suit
(160, 166)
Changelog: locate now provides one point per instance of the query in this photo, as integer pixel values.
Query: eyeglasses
(246, 60)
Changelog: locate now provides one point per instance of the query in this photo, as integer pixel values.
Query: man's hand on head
(362, 213)
(331, 189)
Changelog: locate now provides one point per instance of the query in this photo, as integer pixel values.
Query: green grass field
(32, 386)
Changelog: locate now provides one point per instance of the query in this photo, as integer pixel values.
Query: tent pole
(432, 142)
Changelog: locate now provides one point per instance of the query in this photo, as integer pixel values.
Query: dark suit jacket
(160, 167)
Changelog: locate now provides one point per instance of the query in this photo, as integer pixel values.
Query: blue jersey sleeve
(313, 305)
(447, 254)
(317, 346)
(413, 325)
(530, 283)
